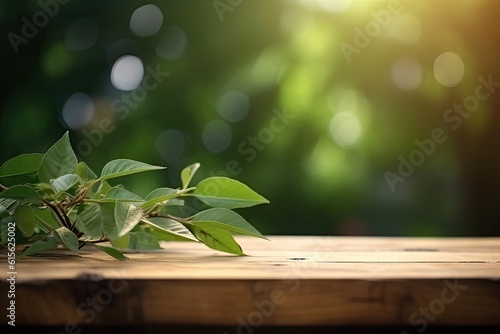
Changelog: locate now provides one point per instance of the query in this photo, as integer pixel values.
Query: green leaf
(87, 175)
(227, 220)
(119, 218)
(127, 216)
(187, 174)
(5, 219)
(20, 169)
(90, 220)
(217, 239)
(159, 195)
(143, 241)
(9, 204)
(58, 161)
(108, 218)
(223, 192)
(121, 167)
(175, 201)
(25, 219)
(102, 188)
(85, 172)
(68, 238)
(47, 216)
(111, 251)
(121, 242)
(22, 193)
(47, 244)
(122, 195)
(161, 235)
(170, 228)
(44, 189)
(65, 182)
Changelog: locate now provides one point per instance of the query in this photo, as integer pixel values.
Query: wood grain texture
(319, 281)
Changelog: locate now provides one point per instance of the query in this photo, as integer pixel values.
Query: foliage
(56, 201)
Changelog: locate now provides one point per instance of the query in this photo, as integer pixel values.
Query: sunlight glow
(345, 129)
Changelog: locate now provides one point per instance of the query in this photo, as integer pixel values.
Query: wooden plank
(288, 281)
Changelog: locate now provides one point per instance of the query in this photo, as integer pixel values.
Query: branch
(80, 197)
(73, 227)
(65, 216)
(97, 241)
(56, 210)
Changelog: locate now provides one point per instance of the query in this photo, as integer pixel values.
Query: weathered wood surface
(286, 281)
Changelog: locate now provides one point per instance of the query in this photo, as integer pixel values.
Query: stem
(56, 210)
(65, 216)
(89, 200)
(73, 225)
(2, 187)
(80, 197)
(72, 229)
(97, 241)
(86, 189)
(184, 191)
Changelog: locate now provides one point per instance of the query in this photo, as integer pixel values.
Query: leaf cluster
(55, 201)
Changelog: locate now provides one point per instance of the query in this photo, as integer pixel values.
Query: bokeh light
(345, 129)
(404, 28)
(217, 136)
(406, 73)
(171, 145)
(127, 73)
(334, 6)
(173, 44)
(233, 106)
(146, 20)
(449, 69)
(82, 34)
(78, 111)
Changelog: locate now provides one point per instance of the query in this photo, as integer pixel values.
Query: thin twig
(65, 216)
(72, 228)
(56, 210)
(97, 241)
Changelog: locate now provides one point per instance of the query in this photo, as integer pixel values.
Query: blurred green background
(352, 117)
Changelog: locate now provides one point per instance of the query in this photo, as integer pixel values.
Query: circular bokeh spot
(78, 111)
(449, 69)
(217, 136)
(233, 106)
(146, 20)
(127, 73)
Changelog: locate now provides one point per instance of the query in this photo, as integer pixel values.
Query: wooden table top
(287, 281)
